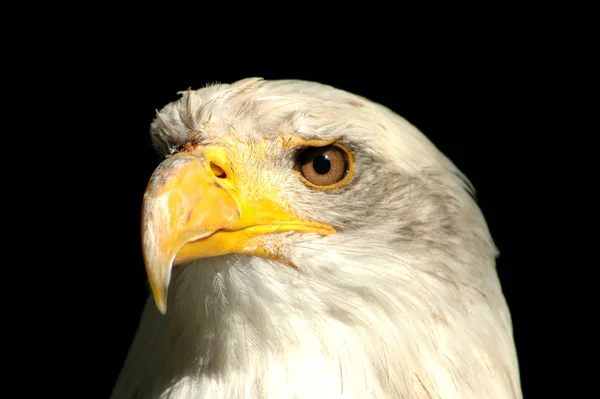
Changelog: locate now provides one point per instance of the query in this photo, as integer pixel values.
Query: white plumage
(403, 301)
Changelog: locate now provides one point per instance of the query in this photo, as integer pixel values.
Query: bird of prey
(304, 242)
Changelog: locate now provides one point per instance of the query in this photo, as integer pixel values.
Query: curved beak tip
(161, 304)
(159, 276)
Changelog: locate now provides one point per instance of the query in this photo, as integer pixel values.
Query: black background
(476, 96)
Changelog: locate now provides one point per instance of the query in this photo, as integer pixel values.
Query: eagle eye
(325, 167)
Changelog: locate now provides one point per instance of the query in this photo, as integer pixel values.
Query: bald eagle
(304, 242)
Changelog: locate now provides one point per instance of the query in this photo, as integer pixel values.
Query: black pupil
(321, 164)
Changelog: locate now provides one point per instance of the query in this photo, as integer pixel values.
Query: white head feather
(404, 302)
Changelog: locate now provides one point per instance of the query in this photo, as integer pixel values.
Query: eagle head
(302, 241)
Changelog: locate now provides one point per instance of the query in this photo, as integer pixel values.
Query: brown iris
(323, 166)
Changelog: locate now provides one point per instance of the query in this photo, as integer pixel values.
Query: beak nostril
(218, 171)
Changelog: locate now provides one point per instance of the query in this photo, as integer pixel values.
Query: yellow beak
(195, 207)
